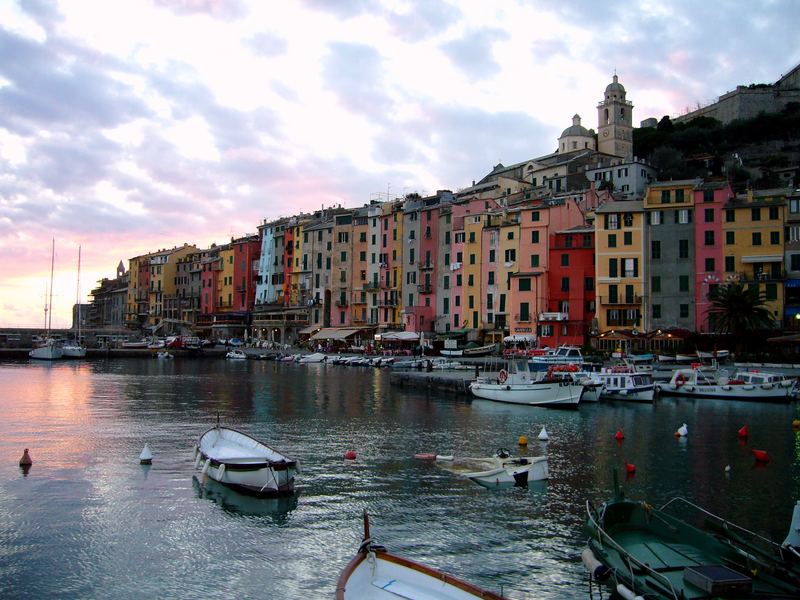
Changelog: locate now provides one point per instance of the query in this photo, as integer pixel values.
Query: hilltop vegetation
(748, 151)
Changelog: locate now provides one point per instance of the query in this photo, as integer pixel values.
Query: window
(665, 197)
(684, 311)
(446, 282)
(535, 215)
(794, 205)
(612, 221)
(490, 279)
(655, 249)
(458, 301)
(472, 259)
(683, 216)
(708, 238)
(794, 262)
(535, 236)
(612, 267)
(470, 280)
(678, 196)
(511, 235)
(565, 284)
(756, 238)
(627, 238)
(565, 260)
(588, 283)
(730, 237)
(656, 311)
(511, 255)
(446, 306)
(459, 280)
(683, 283)
(683, 248)
(471, 237)
(755, 214)
(730, 264)
(655, 217)
(471, 301)
(627, 219)
(568, 241)
(709, 215)
(708, 195)
(492, 257)
(489, 301)
(710, 265)
(524, 311)
(524, 284)
(612, 240)
(793, 233)
(774, 237)
(631, 266)
(534, 260)
(655, 284)
(771, 291)
(730, 215)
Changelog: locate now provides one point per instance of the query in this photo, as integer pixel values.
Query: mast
(52, 268)
(78, 296)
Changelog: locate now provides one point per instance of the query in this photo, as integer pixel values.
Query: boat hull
(49, 351)
(241, 462)
(70, 351)
(518, 472)
(640, 394)
(759, 393)
(557, 394)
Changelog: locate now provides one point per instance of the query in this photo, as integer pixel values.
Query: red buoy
(25, 461)
(743, 433)
(619, 435)
(630, 468)
(761, 456)
(350, 455)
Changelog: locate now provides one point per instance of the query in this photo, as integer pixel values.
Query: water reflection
(276, 510)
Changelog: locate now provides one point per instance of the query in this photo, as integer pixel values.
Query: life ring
(680, 379)
(502, 376)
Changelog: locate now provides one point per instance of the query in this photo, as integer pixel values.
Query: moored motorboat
(592, 386)
(563, 355)
(626, 383)
(697, 382)
(242, 462)
(645, 552)
(375, 574)
(315, 357)
(519, 385)
(236, 355)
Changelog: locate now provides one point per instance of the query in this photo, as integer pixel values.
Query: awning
(308, 330)
(400, 335)
(518, 338)
(333, 333)
(768, 258)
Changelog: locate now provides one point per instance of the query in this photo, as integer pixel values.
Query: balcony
(425, 289)
(616, 301)
(522, 318)
(425, 266)
(341, 303)
(359, 301)
(553, 316)
(371, 286)
(389, 302)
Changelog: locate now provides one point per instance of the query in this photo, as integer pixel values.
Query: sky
(131, 126)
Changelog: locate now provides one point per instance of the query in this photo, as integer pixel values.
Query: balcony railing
(424, 266)
(341, 303)
(553, 316)
(522, 318)
(425, 289)
(620, 300)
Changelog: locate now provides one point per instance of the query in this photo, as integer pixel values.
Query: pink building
(709, 201)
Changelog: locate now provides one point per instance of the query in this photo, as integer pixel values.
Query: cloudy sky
(129, 126)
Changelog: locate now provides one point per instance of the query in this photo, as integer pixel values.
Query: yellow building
(163, 274)
(471, 310)
(753, 244)
(619, 266)
(225, 279)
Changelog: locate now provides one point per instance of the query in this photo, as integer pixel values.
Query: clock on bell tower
(614, 122)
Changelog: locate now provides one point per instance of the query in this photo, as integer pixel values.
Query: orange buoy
(350, 455)
(796, 424)
(630, 468)
(619, 435)
(743, 432)
(761, 456)
(25, 461)
(523, 440)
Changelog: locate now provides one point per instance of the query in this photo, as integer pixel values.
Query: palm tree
(738, 310)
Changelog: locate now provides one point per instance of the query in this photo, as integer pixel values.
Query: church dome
(576, 129)
(615, 88)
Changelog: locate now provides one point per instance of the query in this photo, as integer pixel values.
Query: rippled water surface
(89, 522)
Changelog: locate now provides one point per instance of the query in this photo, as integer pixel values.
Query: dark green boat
(643, 552)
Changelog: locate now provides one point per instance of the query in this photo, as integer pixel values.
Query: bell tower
(614, 122)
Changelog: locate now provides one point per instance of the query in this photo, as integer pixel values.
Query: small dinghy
(243, 463)
(507, 470)
(374, 573)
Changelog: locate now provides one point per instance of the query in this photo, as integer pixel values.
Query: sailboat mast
(78, 295)
(52, 269)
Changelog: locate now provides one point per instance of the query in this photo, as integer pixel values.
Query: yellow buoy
(25, 461)
(523, 441)
(796, 423)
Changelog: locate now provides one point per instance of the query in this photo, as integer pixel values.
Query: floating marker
(543, 435)
(727, 468)
(419, 456)
(630, 468)
(350, 455)
(619, 436)
(25, 461)
(523, 440)
(682, 431)
(761, 456)
(743, 433)
(796, 423)
(146, 457)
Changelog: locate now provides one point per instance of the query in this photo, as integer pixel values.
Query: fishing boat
(520, 385)
(626, 383)
(699, 382)
(646, 552)
(241, 462)
(74, 348)
(505, 470)
(49, 348)
(376, 574)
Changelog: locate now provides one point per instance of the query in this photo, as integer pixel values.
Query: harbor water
(88, 521)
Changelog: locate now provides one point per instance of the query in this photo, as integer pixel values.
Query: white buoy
(146, 457)
(683, 430)
(543, 435)
(727, 468)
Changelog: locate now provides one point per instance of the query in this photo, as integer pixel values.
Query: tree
(738, 310)
(669, 162)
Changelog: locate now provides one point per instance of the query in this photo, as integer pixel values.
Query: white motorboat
(164, 355)
(506, 470)
(563, 355)
(236, 355)
(136, 345)
(316, 357)
(626, 383)
(376, 574)
(241, 462)
(698, 382)
(520, 385)
(592, 386)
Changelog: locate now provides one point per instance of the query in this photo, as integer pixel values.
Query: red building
(246, 254)
(571, 279)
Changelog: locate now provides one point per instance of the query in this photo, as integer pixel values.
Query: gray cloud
(354, 73)
(473, 52)
(424, 20)
(344, 9)
(220, 9)
(268, 44)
